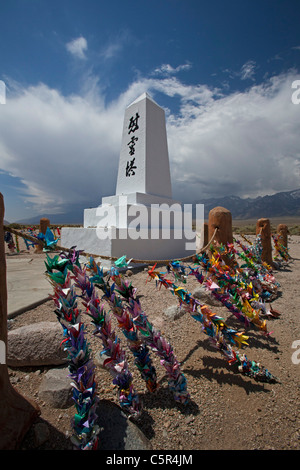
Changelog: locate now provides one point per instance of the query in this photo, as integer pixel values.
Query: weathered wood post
(44, 223)
(263, 227)
(283, 232)
(221, 218)
(16, 413)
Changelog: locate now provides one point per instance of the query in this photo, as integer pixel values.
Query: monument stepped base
(119, 243)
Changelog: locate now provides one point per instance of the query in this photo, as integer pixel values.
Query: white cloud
(115, 45)
(111, 50)
(248, 70)
(167, 69)
(244, 144)
(77, 47)
(66, 149)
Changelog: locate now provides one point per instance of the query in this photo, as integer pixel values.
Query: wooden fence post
(221, 218)
(44, 223)
(283, 231)
(263, 227)
(16, 413)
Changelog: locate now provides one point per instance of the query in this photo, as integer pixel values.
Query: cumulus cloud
(77, 47)
(65, 149)
(243, 144)
(167, 69)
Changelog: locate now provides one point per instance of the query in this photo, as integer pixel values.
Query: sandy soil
(226, 410)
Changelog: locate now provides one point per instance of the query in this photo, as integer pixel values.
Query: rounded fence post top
(282, 227)
(263, 224)
(220, 209)
(263, 220)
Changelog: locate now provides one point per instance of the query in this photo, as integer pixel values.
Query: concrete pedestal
(120, 242)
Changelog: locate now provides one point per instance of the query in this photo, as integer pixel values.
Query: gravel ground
(226, 411)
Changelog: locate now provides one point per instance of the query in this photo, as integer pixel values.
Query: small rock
(206, 297)
(174, 312)
(99, 359)
(117, 432)
(189, 419)
(41, 434)
(14, 380)
(36, 344)
(56, 388)
(129, 273)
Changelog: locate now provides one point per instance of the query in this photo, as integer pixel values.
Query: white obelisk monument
(141, 220)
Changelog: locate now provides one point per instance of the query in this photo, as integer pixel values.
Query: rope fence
(110, 258)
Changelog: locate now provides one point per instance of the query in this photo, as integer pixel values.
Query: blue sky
(222, 71)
